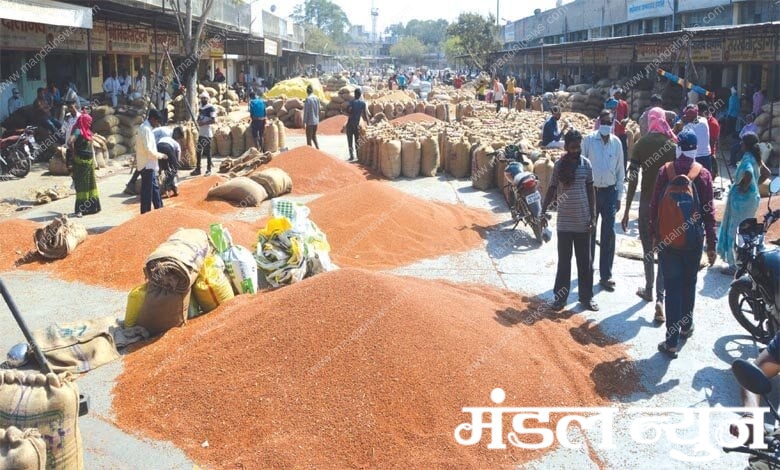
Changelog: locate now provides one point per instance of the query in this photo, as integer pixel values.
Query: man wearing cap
(14, 102)
(680, 266)
(691, 121)
(146, 162)
(207, 115)
(655, 102)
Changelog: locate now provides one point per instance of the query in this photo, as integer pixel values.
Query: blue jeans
(606, 207)
(150, 191)
(680, 268)
(706, 162)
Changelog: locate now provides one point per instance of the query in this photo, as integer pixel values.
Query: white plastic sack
(241, 268)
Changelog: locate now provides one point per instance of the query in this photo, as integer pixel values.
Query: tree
(452, 49)
(395, 30)
(192, 41)
(325, 15)
(429, 32)
(477, 36)
(408, 50)
(317, 40)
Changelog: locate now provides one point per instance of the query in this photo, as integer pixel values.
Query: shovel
(44, 364)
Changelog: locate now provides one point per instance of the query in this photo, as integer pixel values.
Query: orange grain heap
(314, 172)
(358, 369)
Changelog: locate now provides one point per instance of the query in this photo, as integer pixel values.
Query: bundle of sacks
(251, 190)
(768, 123)
(234, 139)
(59, 238)
(338, 103)
(117, 128)
(291, 247)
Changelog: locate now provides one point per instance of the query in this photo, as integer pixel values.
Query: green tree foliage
(477, 36)
(408, 50)
(317, 40)
(429, 32)
(325, 15)
(452, 48)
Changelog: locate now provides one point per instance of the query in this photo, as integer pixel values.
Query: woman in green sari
(87, 199)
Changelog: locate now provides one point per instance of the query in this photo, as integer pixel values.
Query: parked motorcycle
(521, 189)
(17, 152)
(754, 295)
(751, 378)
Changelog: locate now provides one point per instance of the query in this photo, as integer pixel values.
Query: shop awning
(47, 12)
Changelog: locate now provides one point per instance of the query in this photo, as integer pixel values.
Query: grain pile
(362, 382)
(193, 192)
(316, 172)
(16, 241)
(373, 225)
(116, 258)
(332, 125)
(414, 117)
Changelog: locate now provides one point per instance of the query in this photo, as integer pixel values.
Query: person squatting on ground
(551, 136)
(681, 216)
(571, 186)
(356, 109)
(146, 161)
(743, 199)
(650, 153)
(258, 115)
(84, 179)
(604, 151)
(207, 115)
(311, 116)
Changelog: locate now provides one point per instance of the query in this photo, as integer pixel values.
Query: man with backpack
(681, 217)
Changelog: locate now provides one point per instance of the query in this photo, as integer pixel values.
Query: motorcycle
(521, 189)
(754, 295)
(751, 378)
(17, 152)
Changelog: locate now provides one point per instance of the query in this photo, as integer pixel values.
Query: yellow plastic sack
(135, 299)
(296, 88)
(212, 287)
(274, 226)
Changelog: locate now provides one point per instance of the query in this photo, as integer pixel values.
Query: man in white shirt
(71, 94)
(167, 144)
(207, 115)
(605, 152)
(698, 125)
(111, 89)
(146, 161)
(125, 80)
(14, 102)
(70, 119)
(139, 85)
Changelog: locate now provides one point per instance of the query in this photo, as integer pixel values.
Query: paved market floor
(700, 379)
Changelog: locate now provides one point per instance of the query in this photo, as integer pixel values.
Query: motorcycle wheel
(745, 310)
(18, 163)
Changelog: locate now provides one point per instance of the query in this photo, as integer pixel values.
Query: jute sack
(238, 145)
(271, 137)
(49, 403)
(102, 111)
(59, 238)
(390, 159)
(101, 155)
(482, 172)
(410, 158)
(459, 159)
(105, 124)
(293, 103)
(241, 190)
(128, 133)
(117, 151)
(223, 141)
(115, 139)
(249, 139)
(275, 181)
(429, 156)
(163, 309)
(57, 165)
(543, 169)
(281, 135)
(175, 264)
(78, 347)
(129, 121)
(189, 147)
(297, 119)
(22, 450)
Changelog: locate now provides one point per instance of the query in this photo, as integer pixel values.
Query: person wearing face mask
(571, 186)
(680, 265)
(692, 122)
(605, 152)
(207, 115)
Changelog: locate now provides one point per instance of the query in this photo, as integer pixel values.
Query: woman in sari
(87, 200)
(743, 198)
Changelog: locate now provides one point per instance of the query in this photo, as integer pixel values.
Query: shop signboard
(690, 5)
(127, 39)
(707, 50)
(646, 53)
(752, 49)
(640, 9)
(22, 35)
(594, 56)
(270, 47)
(99, 42)
(573, 57)
(216, 48)
(553, 58)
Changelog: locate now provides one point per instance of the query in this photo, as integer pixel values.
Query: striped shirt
(573, 206)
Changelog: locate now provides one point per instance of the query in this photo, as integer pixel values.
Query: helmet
(686, 140)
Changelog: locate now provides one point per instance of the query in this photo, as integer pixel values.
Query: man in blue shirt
(401, 81)
(311, 117)
(730, 125)
(356, 109)
(257, 113)
(551, 136)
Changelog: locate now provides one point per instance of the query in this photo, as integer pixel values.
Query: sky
(401, 11)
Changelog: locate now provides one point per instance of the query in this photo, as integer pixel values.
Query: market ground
(699, 379)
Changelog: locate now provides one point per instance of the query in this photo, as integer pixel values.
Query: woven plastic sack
(241, 269)
(212, 287)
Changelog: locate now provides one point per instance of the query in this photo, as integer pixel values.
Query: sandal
(687, 333)
(671, 353)
(659, 313)
(644, 294)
